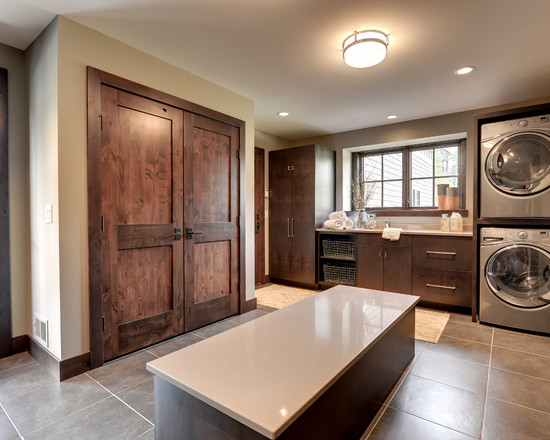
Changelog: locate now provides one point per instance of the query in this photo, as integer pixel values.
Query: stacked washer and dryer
(514, 208)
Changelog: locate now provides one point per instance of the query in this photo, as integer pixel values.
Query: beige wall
(43, 168)
(18, 153)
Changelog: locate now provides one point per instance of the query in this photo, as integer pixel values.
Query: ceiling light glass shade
(365, 48)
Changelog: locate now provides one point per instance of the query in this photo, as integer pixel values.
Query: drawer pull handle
(441, 253)
(441, 287)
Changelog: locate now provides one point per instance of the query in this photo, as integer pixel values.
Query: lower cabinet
(383, 264)
(442, 269)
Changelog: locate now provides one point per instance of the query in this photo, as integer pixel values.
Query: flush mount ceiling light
(283, 114)
(464, 70)
(365, 48)
(391, 117)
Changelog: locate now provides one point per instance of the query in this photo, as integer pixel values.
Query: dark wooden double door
(170, 208)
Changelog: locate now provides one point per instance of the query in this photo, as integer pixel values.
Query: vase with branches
(361, 193)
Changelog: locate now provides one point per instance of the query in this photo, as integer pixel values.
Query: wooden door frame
(262, 213)
(95, 79)
(5, 283)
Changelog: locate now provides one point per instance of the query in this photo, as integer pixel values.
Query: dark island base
(342, 412)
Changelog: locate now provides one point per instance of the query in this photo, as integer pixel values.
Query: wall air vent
(40, 330)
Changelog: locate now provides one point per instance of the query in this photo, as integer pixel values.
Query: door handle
(177, 234)
(292, 229)
(288, 227)
(257, 226)
(189, 233)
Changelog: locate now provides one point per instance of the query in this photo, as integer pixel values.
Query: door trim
(95, 79)
(259, 194)
(5, 283)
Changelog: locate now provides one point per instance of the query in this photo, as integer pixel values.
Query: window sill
(415, 212)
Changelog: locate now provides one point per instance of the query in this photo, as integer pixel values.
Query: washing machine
(515, 168)
(514, 272)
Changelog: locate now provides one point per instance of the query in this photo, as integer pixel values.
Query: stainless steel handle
(292, 167)
(288, 168)
(379, 254)
(441, 287)
(385, 254)
(441, 253)
(288, 227)
(292, 230)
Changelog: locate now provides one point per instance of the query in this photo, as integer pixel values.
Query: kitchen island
(320, 368)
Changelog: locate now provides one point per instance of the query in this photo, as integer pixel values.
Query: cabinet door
(280, 186)
(397, 269)
(370, 267)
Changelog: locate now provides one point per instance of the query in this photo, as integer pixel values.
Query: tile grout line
(118, 398)
(487, 386)
(521, 406)
(11, 421)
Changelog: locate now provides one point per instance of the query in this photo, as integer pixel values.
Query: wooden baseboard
(60, 369)
(250, 305)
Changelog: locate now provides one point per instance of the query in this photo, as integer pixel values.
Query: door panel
(211, 221)
(279, 214)
(370, 267)
(397, 269)
(141, 207)
(259, 215)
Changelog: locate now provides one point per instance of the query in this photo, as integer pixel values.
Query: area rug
(429, 324)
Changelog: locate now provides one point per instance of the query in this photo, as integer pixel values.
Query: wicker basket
(339, 273)
(339, 248)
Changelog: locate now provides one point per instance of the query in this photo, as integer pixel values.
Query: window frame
(405, 209)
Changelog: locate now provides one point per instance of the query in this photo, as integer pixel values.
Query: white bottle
(456, 222)
(444, 223)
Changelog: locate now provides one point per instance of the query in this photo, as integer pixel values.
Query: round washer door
(519, 164)
(520, 275)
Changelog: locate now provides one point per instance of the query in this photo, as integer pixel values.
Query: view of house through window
(408, 177)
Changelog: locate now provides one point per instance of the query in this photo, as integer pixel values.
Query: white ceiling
(287, 55)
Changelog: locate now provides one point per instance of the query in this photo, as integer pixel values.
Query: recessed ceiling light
(283, 114)
(391, 117)
(464, 70)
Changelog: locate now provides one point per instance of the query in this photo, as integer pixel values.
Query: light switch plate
(267, 193)
(48, 213)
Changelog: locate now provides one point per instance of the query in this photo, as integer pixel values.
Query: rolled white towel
(348, 223)
(334, 224)
(337, 215)
(392, 234)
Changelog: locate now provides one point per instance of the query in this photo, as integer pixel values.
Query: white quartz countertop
(266, 372)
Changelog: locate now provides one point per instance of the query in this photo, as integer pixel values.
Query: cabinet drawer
(442, 286)
(445, 253)
(377, 240)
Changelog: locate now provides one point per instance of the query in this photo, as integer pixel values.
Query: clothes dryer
(515, 168)
(514, 272)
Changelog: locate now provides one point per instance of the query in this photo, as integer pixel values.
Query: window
(407, 178)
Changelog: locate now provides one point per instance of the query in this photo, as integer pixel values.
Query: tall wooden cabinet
(302, 195)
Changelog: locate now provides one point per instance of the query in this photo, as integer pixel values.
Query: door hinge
(104, 323)
(239, 154)
(239, 220)
(102, 223)
(101, 119)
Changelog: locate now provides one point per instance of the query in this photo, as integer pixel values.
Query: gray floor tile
(419, 345)
(463, 318)
(373, 422)
(214, 329)
(149, 435)
(451, 371)
(109, 419)
(23, 379)
(123, 373)
(52, 402)
(476, 333)
(249, 316)
(519, 389)
(505, 421)
(396, 424)
(522, 341)
(520, 362)
(445, 405)
(174, 344)
(7, 431)
(461, 349)
(17, 360)
(141, 398)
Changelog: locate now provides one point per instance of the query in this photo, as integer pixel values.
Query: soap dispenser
(444, 223)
